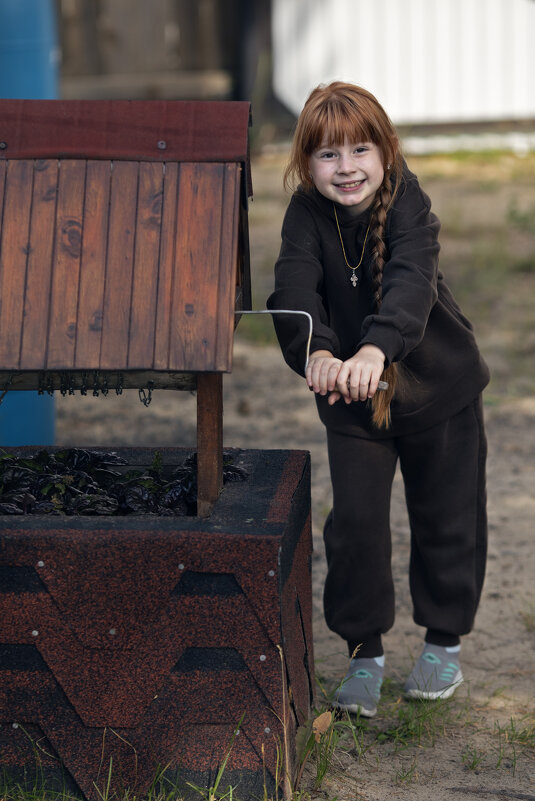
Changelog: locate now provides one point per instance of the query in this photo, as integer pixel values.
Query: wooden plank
(130, 130)
(228, 266)
(167, 267)
(66, 265)
(146, 258)
(39, 272)
(195, 291)
(93, 265)
(3, 170)
(13, 259)
(119, 266)
(209, 441)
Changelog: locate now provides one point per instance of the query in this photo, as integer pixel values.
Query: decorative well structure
(124, 250)
(128, 644)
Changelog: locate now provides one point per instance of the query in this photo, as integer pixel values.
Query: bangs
(332, 115)
(337, 123)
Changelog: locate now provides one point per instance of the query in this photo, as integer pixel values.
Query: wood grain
(228, 267)
(119, 265)
(166, 273)
(195, 291)
(93, 265)
(66, 265)
(39, 268)
(14, 258)
(146, 262)
(209, 441)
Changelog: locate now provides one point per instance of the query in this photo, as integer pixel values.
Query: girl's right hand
(322, 372)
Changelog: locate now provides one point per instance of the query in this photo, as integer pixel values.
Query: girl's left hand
(359, 376)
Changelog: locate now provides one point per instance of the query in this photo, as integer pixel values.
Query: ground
(483, 742)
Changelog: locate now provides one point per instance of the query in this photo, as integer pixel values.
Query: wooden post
(209, 441)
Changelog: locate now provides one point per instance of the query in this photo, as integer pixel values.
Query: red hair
(332, 114)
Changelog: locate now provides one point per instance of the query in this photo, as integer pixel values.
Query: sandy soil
(267, 406)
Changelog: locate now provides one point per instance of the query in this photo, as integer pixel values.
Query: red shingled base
(146, 640)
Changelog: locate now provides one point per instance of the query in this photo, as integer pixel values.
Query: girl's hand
(322, 372)
(359, 376)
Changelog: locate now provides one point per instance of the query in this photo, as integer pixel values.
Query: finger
(333, 398)
(332, 376)
(315, 374)
(325, 375)
(342, 381)
(364, 388)
(357, 385)
(326, 368)
(372, 388)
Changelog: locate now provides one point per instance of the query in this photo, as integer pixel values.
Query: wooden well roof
(123, 234)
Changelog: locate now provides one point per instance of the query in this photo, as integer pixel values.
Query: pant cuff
(442, 638)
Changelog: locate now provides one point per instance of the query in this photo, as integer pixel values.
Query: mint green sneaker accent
(360, 689)
(436, 674)
(431, 658)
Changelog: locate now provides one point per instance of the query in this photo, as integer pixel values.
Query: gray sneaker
(436, 674)
(360, 689)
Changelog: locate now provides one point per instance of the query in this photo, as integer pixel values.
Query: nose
(346, 164)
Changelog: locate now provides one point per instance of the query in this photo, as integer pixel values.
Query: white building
(427, 61)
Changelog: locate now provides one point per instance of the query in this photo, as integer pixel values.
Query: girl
(360, 254)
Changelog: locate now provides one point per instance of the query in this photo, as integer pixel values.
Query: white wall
(425, 60)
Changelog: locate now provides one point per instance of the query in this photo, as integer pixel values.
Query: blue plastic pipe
(29, 54)
(29, 64)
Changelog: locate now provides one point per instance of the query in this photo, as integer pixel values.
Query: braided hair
(383, 201)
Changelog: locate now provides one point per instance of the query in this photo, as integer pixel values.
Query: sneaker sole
(434, 696)
(356, 709)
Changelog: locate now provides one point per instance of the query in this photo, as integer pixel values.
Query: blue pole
(29, 67)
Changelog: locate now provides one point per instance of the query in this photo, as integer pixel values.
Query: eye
(360, 149)
(327, 154)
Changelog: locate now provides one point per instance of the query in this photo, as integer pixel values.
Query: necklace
(353, 279)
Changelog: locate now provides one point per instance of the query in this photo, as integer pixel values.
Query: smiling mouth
(350, 185)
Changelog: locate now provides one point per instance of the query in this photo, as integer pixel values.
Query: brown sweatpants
(443, 470)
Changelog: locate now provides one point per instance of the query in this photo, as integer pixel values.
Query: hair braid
(381, 400)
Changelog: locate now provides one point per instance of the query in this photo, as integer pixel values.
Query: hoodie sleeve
(410, 275)
(298, 285)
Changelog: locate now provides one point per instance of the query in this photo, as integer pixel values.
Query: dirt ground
(487, 747)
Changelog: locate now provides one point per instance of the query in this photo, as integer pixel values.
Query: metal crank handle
(381, 386)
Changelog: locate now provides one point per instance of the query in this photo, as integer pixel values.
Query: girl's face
(350, 174)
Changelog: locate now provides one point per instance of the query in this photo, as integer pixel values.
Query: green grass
(405, 733)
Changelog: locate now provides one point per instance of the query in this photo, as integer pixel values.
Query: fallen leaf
(321, 724)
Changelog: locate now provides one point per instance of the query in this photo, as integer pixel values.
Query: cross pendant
(354, 279)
